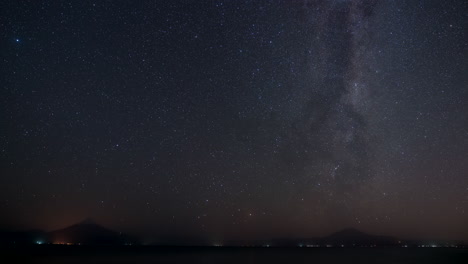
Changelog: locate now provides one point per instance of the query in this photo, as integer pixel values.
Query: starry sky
(235, 119)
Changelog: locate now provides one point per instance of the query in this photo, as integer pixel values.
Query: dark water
(90, 255)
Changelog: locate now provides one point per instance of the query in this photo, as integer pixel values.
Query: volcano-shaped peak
(88, 232)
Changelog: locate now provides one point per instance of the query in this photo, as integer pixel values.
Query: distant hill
(88, 232)
(352, 236)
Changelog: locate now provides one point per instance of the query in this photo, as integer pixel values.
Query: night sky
(235, 119)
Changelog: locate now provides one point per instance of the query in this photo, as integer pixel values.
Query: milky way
(235, 119)
(340, 45)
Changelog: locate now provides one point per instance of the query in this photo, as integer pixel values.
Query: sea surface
(136, 254)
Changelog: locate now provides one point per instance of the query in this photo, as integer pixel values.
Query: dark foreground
(134, 254)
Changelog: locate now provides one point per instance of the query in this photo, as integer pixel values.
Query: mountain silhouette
(88, 232)
(355, 237)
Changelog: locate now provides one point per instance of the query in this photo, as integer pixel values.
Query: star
(325, 108)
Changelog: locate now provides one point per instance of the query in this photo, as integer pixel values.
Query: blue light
(39, 242)
(17, 40)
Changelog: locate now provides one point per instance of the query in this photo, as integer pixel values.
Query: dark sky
(235, 119)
